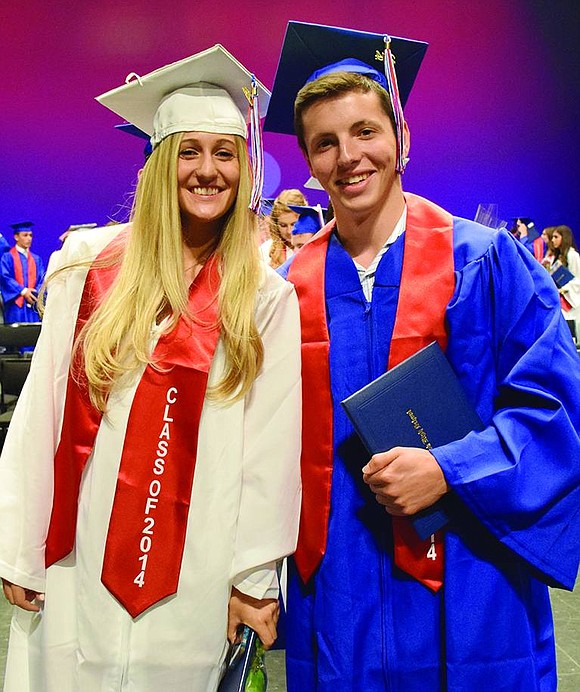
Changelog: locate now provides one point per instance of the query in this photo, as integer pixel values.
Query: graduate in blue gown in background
(524, 229)
(4, 245)
(21, 276)
(356, 620)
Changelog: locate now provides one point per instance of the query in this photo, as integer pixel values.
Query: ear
(407, 133)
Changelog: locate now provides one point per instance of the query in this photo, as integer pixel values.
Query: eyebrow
(362, 123)
(365, 122)
(218, 142)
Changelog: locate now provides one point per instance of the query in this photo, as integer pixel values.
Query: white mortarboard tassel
(393, 89)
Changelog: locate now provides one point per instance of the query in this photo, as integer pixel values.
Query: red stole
(539, 248)
(148, 521)
(427, 272)
(18, 274)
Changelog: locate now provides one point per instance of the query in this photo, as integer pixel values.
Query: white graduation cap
(207, 92)
(210, 91)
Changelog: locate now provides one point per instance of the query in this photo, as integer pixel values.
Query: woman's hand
(261, 615)
(21, 597)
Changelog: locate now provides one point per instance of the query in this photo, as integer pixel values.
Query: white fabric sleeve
(27, 461)
(267, 528)
(571, 290)
(261, 582)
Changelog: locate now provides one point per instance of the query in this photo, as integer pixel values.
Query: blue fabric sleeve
(513, 353)
(285, 268)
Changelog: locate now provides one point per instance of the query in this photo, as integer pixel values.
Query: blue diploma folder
(418, 403)
(562, 275)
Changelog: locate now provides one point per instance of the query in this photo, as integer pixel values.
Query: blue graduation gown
(11, 288)
(360, 623)
(529, 242)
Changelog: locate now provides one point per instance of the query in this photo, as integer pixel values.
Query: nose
(347, 153)
(206, 169)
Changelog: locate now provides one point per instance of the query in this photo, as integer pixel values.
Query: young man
(21, 275)
(370, 606)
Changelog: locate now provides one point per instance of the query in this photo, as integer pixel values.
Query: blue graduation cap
(311, 50)
(310, 219)
(21, 226)
(131, 129)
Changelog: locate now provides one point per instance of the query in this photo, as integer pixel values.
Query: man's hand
(261, 615)
(21, 597)
(405, 480)
(29, 296)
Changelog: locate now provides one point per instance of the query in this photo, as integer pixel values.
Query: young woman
(549, 257)
(278, 248)
(564, 248)
(153, 466)
(565, 253)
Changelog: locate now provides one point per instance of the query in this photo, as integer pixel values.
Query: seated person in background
(21, 275)
(525, 231)
(310, 221)
(278, 248)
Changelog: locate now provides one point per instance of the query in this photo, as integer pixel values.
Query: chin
(206, 215)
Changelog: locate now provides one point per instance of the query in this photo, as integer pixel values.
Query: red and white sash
(428, 270)
(146, 535)
(19, 274)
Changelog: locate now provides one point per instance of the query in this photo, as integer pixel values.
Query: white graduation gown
(571, 291)
(243, 515)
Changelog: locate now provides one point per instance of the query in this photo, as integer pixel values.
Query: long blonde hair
(151, 284)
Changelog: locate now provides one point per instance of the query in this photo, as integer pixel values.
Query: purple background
(494, 114)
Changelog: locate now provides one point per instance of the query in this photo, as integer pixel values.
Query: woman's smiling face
(208, 174)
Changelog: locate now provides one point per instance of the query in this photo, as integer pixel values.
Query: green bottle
(257, 680)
